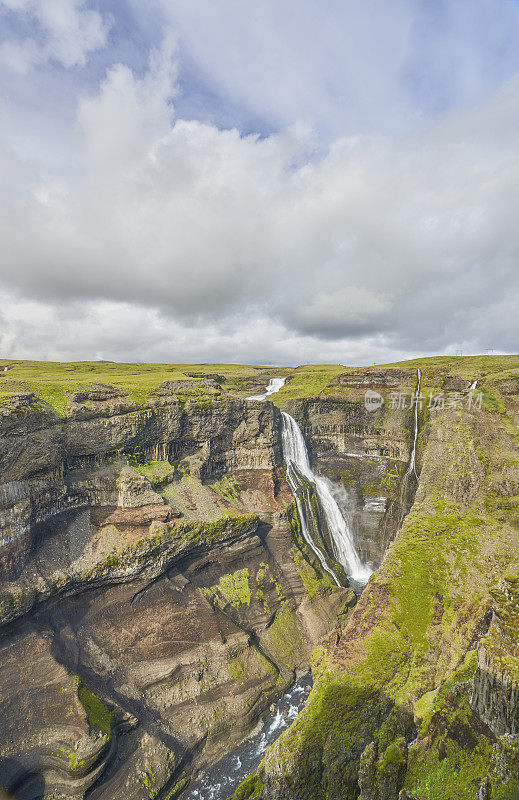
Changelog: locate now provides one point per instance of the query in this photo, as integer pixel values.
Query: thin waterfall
(412, 461)
(298, 467)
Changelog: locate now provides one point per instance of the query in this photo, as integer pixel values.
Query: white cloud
(121, 331)
(67, 32)
(175, 240)
(123, 121)
(346, 66)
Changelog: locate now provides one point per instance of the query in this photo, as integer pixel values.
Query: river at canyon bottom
(220, 781)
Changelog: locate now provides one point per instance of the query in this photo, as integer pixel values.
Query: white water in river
(221, 780)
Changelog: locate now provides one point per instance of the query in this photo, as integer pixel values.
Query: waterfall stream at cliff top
(412, 460)
(411, 467)
(274, 385)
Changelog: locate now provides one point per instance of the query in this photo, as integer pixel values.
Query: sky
(271, 182)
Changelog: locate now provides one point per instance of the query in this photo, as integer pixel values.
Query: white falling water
(275, 384)
(299, 475)
(298, 464)
(412, 460)
(290, 445)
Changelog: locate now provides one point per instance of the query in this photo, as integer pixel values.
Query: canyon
(164, 579)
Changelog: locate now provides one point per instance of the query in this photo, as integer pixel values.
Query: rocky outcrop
(380, 778)
(495, 695)
(376, 379)
(50, 465)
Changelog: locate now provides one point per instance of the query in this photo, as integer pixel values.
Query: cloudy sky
(273, 181)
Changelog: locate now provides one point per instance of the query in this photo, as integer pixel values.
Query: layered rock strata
(154, 598)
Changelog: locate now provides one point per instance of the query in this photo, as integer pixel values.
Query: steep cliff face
(417, 698)
(495, 695)
(154, 597)
(49, 464)
(365, 451)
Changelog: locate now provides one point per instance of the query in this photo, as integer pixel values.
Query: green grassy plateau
(51, 380)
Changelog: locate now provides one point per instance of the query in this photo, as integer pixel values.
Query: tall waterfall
(299, 476)
(292, 445)
(412, 461)
(411, 467)
(298, 467)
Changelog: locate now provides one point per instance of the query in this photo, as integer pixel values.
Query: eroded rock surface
(154, 597)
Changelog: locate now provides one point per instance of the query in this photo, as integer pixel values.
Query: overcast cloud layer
(290, 185)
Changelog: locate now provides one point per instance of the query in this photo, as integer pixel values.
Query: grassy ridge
(314, 380)
(51, 380)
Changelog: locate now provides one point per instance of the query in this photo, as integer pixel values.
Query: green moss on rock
(234, 588)
(285, 637)
(249, 788)
(99, 717)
